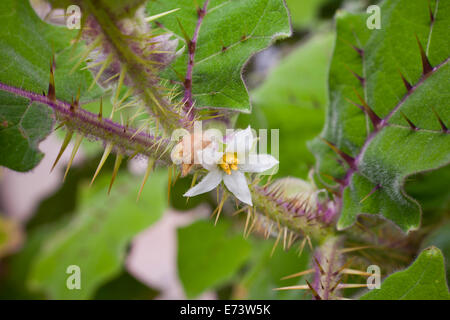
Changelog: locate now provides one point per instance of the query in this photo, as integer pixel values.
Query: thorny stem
(192, 45)
(150, 93)
(384, 123)
(123, 138)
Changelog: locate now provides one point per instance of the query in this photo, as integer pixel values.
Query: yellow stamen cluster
(229, 162)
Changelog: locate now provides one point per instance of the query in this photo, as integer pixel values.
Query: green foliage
(266, 271)
(208, 256)
(27, 44)
(23, 125)
(440, 238)
(231, 32)
(292, 99)
(423, 280)
(97, 237)
(388, 157)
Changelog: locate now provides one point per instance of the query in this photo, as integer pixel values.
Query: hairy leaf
(423, 280)
(370, 64)
(292, 99)
(96, 239)
(230, 33)
(208, 256)
(22, 126)
(27, 45)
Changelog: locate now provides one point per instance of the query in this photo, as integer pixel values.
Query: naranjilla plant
(333, 160)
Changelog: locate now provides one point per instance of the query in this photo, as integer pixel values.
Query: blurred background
(160, 248)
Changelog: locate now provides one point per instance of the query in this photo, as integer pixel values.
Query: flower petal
(212, 180)
(237, 184)
(258, 163)
(209, 158)
(241, 142)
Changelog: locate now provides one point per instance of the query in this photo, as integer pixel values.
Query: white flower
(230, 166)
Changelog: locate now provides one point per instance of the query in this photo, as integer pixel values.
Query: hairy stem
(127, 140)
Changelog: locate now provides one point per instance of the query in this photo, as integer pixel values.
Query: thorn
(74, 152)
(169, 182)
(413, 127)
(249, 214)
(350, 160)
(376, 121)
(370, 193)
(443, 126)
(357, 76)
(346, 250)
(314, 292)
(64, 145)
(219, 208)
(275, 244)
(302, 246)
(408, 86)
(322, 272)
(100, 113)
(119, 158)
(298, 274)
(51, 85)
(102, 161)
(426, 65)
(59, 126)
(185, 35)
(105, 64)
(146, 175)
(352, 285)
(356, 272)
(299, 287)
(431, 13)
(160, 15)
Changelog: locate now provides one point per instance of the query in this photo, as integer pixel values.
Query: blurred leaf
(125, 287)
(208, 256)
(432, 192)
(97, 237)
(440, 238)
(304, 12)
(266, 272)
(179, 202)
(10, 236)
(293, 99)
(23, 125)
(423, 280)
(217, 74)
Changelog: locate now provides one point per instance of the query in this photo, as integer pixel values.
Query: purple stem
(91, 125)
(192, 45)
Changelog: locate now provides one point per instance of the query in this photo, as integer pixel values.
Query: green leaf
(293, 99)
(10, 236)
(23, 125)
(231, 32)
(423, 280)
(97, 237)
(26, 47)
(208, 256)
(386, 158)
(266, 272)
